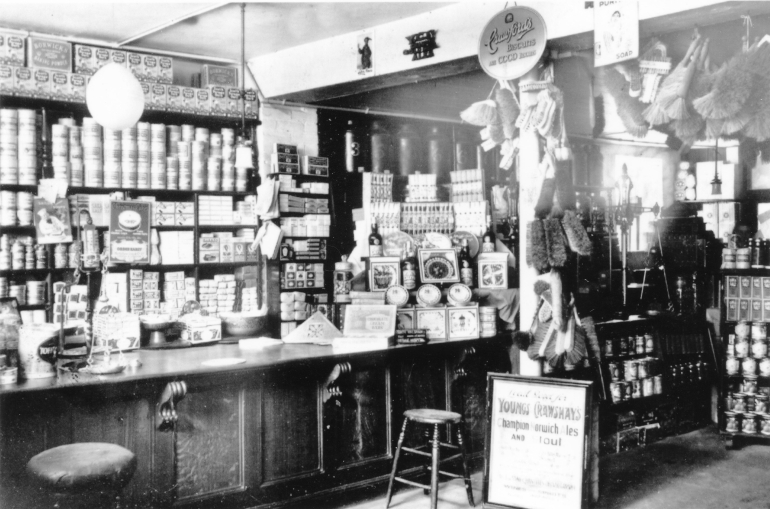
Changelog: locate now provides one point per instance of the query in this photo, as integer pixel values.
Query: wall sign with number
(512, 43)
(536, 454)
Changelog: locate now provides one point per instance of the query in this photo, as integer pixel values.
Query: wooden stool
(436, 418)
(88, 474)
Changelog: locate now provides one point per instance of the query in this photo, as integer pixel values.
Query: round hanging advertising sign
(512, 43)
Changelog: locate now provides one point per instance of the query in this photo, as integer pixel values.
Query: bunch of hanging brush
(555, 232)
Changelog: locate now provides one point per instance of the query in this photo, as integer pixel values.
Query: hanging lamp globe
(114, 97)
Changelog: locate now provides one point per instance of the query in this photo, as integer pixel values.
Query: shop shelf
(226, 226)
(309, 195)
(32, 272)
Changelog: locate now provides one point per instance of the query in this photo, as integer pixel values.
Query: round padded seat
(83, 467)
(432, 416)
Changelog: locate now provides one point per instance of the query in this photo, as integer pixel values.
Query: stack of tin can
(3, 287)
(19, 292)
(8, 208)
(76, 154)
(60, 152)
(129, 157)
(9, 146)
(112, 158)
(173, 137)
(184, 149)
(35, 292)
(228, 160)
(143, 155)
(24, 208)
(93, 166)
(157, 156)
(487, 321)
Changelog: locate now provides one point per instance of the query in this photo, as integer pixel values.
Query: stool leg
(426, 468)
(466, 475)
(434, 469)
(395, 463)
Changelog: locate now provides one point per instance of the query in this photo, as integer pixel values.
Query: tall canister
(408, 150)
(439, 154)
(381, 148)
(38, 345)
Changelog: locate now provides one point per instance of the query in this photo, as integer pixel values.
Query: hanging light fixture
(244, 150)
(716, 184)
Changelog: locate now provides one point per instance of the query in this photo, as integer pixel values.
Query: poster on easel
(130, 232)
(52, 221)
(537, 443)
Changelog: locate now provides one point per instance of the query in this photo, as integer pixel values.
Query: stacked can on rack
(228, 159)
(93, 166)
(35, 292)
(112, 158)
(157, 156)
(487, 321)
(143, 155)
(19, 292)
(3, 287)
(747, 351)
(29, 123)
(173, 137)
(8, 208)
(9, 146)
(60, 151)
(76, 154)
(129, 157)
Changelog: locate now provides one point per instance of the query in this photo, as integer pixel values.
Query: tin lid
(459, 294)
(731, 413)
(428, 295)
(344, 264)
(397, 295)
(761, 397)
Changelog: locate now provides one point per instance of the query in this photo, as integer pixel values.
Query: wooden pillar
(529, 159)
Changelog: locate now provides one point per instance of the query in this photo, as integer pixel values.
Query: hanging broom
(677, 108)
(575, 348)
(688, 129)
(656, 113)
(508, 109)
(482, 113)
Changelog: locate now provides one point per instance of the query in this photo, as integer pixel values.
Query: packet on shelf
(12, 48)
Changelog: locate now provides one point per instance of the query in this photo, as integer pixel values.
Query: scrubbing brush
(577, 237)
(537, 248)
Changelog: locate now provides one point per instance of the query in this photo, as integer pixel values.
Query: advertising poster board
(52, 221)
(538, 438)
(512, 43)
(130, 232)
(616, 31)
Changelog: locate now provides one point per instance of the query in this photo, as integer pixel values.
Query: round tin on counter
(758, 330)
(397, 295)
(731, 422)
(741, 346)
(459, 294)
(749, 425)
(732, 366)
(749, 366)
(765, 430)
(743, 328)
(758, 348)
(428, 295)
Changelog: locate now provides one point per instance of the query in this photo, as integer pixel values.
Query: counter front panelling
(292, 422)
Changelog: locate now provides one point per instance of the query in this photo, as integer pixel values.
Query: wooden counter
(291, 423)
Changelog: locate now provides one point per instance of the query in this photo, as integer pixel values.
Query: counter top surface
(175, 363)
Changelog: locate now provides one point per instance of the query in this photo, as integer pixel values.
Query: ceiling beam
(172, 22)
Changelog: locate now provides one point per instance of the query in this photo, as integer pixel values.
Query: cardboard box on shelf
(6, 79)
(101, 58)
(218, 75)
(12, 46)
(47, 53)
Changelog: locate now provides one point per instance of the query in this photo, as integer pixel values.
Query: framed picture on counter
(463, 322)
(433, 320)
(493, 271)
(405, 319)
(438, 266)
(384, 272)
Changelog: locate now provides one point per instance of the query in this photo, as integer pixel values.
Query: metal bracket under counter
(165, 411)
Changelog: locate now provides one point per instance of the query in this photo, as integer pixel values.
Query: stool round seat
(433, 416)
(83, 467)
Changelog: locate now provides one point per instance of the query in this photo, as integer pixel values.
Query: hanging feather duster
(507, 105)
(677, 108)
(541, 287)
(714, 127)
(496, 133)
(481, 113)
(730, 90)
(565, 191)
(758, 125)
(656, 113)
(630, 110)
(692, 127)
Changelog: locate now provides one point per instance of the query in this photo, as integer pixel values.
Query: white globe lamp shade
(114, 97)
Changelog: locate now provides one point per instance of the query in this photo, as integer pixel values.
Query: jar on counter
(764, 367)
(658, 384)
(739, 402)
(732, 366)
(743, 328)
(631, 370)
(749, 385)
(749, 366)
(758, 348)
(749, 424)
(765, 425)
(741, 347)
(343, 276)
(758, 330)
(732, 424)
(760, 404)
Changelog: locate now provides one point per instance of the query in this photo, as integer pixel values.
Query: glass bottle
(409, 268)
(488, 239)
(375, 241)
(466, 264)
(343, 275)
